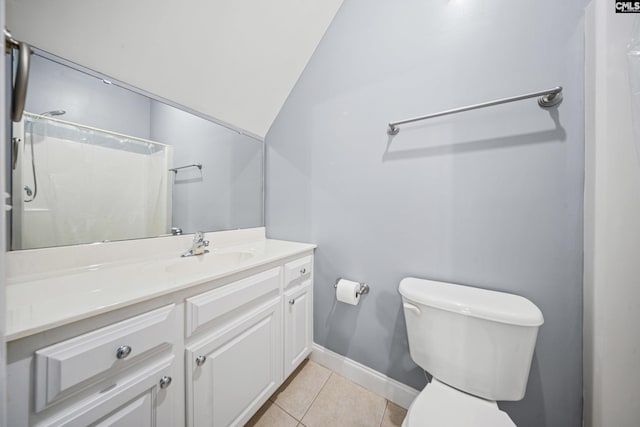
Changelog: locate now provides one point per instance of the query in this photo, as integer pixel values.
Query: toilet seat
(443, 406)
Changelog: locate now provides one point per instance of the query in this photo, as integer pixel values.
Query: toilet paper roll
(346, 291)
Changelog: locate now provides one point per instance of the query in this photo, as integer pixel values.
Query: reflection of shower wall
(201, 199)
(246, 183)
(227, 193)
(89, 193)
(86, 99)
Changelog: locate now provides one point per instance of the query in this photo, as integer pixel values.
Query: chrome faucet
(198, 246)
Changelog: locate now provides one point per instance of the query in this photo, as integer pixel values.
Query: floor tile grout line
(273, 401)
(299, 421)
(295, 372)
(386, 401)
(386, 406)
(317, 394)
(286, 412)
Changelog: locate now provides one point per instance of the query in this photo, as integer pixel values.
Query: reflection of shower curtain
(89, 192)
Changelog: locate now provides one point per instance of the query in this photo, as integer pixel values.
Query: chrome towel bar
(195, 165)
(547, 98)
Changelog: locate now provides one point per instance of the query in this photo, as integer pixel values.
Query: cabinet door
(138, 412)
(233, 371)
(298, 325)
(141, 399)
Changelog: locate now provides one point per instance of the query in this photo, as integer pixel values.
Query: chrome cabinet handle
(200, 360)
(303, 270)
(292, 301)
(165, 382)
(123, 351)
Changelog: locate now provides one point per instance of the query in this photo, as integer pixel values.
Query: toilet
(477, 344)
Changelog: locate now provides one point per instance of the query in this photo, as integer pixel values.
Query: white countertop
(45, 300)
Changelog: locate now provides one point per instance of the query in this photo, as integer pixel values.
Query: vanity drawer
(209, 306)
(66, 368)
(296, 269)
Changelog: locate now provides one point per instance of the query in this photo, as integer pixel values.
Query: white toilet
(477, 345)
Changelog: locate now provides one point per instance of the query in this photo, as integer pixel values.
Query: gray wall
(227, 192)
(247, 182)
(491, 198)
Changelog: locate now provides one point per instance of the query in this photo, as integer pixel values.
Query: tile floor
(315, 396)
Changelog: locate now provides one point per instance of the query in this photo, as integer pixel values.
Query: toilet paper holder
(364, 288)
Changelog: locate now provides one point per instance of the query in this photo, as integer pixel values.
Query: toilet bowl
(477, 344)
(443, 406)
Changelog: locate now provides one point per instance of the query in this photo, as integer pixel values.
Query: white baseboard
(390, 389)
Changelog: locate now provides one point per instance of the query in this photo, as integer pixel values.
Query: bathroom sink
(209, 262)
(231, 257)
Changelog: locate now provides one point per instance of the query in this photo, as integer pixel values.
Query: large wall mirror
(94, 161)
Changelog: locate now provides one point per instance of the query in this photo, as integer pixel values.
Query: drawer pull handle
(200, 360)
(303, 270)
(123, 351)
(165, 382)
(292, 301)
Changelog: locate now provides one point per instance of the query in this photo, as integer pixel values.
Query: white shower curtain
(92, 186)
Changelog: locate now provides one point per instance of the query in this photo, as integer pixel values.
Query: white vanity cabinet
(125, 373)
(237, 363)
(253, 334)
(297, 313)
(209, 354)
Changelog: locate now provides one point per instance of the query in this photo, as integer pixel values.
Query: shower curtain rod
(547, 98)
(89, 128)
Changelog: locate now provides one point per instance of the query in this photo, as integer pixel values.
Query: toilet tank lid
(475, 302)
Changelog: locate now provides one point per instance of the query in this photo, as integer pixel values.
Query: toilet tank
(475, 340)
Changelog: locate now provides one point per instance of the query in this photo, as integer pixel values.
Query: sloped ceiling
(232, 60)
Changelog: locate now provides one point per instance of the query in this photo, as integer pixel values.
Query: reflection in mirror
(93, 162)
(74, 184)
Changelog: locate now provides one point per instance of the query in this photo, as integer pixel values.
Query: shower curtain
(93, 185)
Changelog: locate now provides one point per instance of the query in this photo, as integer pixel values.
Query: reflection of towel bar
(195, 165)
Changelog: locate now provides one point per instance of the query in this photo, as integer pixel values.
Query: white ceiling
(233, 60)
